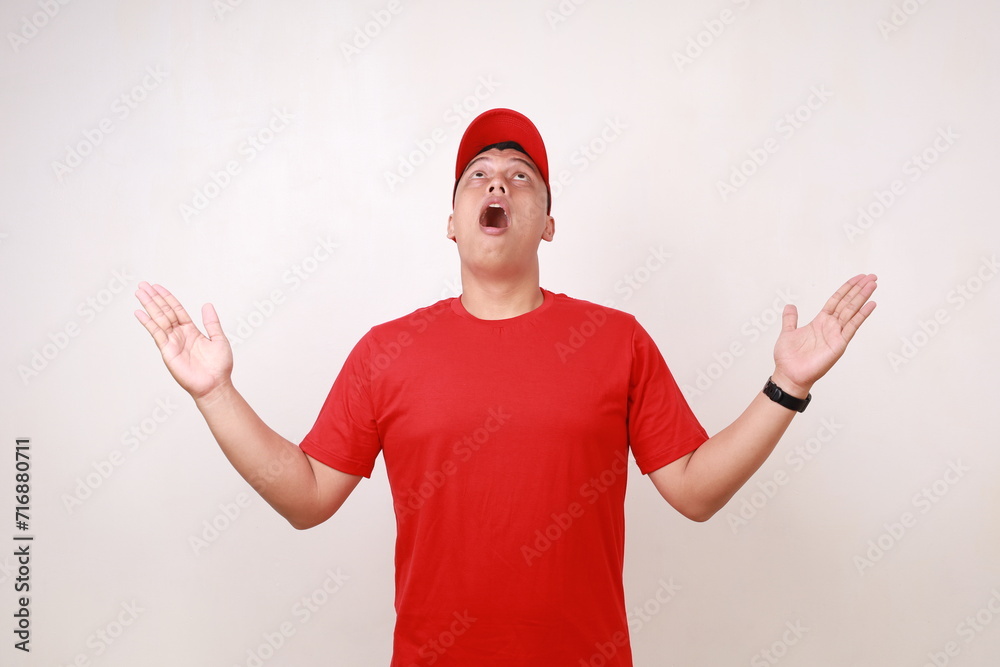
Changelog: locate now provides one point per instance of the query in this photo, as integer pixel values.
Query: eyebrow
(490, 157)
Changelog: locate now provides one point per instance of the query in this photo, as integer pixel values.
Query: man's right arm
(303, 490)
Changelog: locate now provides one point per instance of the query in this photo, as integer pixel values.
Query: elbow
(693, 506)
(309, 517)
(701, 504)
(301, 525)
(304, 522)
(699, 512)
(699, 515)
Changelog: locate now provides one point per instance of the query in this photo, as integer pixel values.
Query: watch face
(772, 390)
(775, 393)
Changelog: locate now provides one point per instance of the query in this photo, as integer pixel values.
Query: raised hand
(804, 355)
(199, 363)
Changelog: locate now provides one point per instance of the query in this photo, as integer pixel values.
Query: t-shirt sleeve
(345, 435)
(661, 426)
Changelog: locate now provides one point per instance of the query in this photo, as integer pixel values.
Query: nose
(497, 185)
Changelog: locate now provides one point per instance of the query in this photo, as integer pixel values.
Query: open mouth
(494, 217)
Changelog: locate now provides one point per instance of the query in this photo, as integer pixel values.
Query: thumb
(789, 318)
(211, 320)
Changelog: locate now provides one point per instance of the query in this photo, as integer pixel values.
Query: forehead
(501, 158)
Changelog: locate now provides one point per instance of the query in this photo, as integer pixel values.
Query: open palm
(199, 363)
(805, 354)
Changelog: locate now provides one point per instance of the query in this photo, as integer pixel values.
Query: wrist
(219, 392)
(784, 396)
(789, 386)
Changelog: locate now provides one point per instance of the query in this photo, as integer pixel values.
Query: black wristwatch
(775, 393)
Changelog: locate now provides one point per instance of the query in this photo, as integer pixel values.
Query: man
(505, 417)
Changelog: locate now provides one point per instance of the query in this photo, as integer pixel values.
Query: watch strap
(776, 394)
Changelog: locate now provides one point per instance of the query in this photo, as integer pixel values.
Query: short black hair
(503, 146)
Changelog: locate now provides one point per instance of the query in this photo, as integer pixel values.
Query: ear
(451, 227)
(550, 228)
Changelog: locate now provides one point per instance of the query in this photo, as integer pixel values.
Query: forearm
(724, 463)
(699, 484)
(275, 467)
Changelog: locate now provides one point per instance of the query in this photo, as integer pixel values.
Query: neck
(499, 299)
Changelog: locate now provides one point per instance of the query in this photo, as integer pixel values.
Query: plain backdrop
(292, 163)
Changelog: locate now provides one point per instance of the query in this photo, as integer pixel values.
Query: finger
(156, 306)
(159, 336)
(144, 289)
(175, 305)
(212, 324)
(147, 297)
(856, 298)
(835, 301)
(855, 322)
(161, 301)
(789, 318)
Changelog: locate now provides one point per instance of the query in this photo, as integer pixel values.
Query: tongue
(493, 217)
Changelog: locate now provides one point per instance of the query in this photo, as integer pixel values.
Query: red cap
(499, 125)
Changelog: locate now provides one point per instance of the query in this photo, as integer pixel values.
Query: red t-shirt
(506, 446)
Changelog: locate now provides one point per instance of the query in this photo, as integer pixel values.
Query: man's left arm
(702, 482)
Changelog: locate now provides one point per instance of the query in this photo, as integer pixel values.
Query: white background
(684, 94)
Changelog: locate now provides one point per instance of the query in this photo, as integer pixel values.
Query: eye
(521, 176)
(478, 174)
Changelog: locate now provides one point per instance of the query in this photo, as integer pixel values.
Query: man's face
(500, 212)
